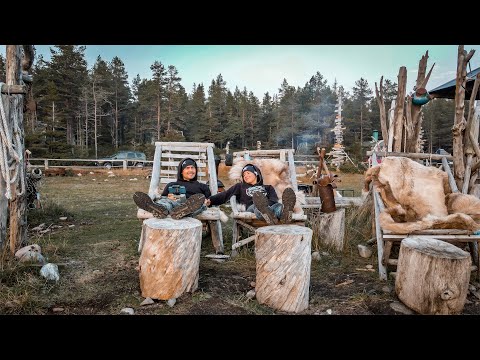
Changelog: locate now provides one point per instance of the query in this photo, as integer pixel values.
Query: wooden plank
(174, 172)
(13, 89)
(164, 180)
(243, 242)
(411, 155)
(188, 149)
(451, 179)
(155, 171)
(202, 156)
(382, 270)
(460, 238)
(212, 171)
(255, 153)
(175, 164)
(291, 167)
(233, 203)
(436, 232)
(166, 144)
(251, 216)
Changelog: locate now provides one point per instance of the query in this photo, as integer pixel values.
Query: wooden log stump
(170, 258)
(331, 229)
(432, 276)
(283, 256)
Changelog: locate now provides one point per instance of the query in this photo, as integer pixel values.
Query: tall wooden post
(18, 216)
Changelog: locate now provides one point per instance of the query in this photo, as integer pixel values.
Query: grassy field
(96, 249)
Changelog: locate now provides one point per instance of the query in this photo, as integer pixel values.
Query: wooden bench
(247, 220)
(165, 167)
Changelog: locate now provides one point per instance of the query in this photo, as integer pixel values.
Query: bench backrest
(169, 154)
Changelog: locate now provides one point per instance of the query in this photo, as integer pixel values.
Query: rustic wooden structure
(247, 221)
(170, 257)
(165, 167)
(387, 239)
(19, 59)
(283, 259)
(432, 276)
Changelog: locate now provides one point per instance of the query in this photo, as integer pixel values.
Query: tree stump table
(170, 258)
(331, 229)
(432, 276)
(283, 260)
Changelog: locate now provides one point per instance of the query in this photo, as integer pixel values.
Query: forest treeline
(77, 111)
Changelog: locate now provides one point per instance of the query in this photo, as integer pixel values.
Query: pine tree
(159, 82)
(3, 69)
(121, 98)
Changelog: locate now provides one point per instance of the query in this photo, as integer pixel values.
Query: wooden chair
(247, 220)
(386, 240)
(165, 166)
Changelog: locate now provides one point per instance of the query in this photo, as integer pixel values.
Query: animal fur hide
(275, 172)
(418, 197)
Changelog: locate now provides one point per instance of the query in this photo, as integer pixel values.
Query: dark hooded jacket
(193, 186)
(244, 192)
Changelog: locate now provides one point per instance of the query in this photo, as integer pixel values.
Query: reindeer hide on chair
(275, 172)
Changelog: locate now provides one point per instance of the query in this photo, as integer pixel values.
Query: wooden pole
(399, 109)
(18, 216)
(383, 114)
(459, 122)
(283, 258)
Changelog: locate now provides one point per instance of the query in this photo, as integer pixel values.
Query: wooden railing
(46, 163)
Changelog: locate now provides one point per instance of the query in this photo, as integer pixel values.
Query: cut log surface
(331, 229)
(283, 257)
(170, 258)
(432, 276)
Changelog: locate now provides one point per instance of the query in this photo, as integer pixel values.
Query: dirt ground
(96, 250)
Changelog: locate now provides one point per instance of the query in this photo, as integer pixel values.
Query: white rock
(316, 256)
(39, 227)
(364, 251)
(50, 272)
(91, 173)
(127, 311)
(399, 307)
(105, 180)
(28, 248)
(134, 179)
(94, 179)
(58, 309)
(171, 302)
(110, 172)
(147, 301)
(111, 175)
(251, 294)
(329, 311)
(79, 174)
(71, 226)
(324, 253)
(63, 218)
(369, 266)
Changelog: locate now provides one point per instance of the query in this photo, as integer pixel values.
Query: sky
(262, 68)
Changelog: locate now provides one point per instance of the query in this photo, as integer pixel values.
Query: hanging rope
(7, 150)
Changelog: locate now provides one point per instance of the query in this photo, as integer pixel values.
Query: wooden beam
(383, 114)
(411, 155)
(399, 109)
(14, 89)
(451, 179)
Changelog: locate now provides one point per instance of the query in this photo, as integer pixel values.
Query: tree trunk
(283, 256)
(331, 229)
(459, 123)
(170, 258)
(398, 114)
(432, 276)
(383, 115)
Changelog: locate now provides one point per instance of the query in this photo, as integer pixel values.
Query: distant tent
(447, 90)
